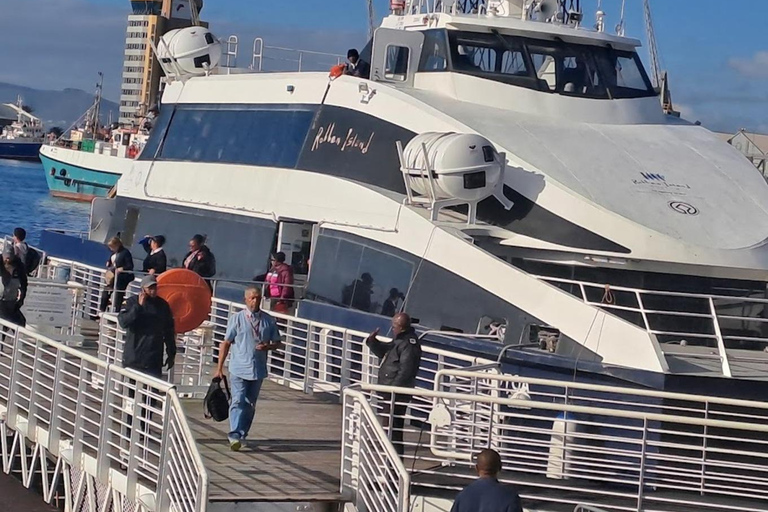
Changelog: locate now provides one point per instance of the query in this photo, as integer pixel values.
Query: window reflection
(241, 245)
(356, 273)
(237, 134)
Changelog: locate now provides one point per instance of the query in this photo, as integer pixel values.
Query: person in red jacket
(280, 283)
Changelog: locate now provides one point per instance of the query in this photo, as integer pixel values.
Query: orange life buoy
(188, 295)
(337, 70)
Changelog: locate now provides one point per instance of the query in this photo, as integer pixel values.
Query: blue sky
(715, 51)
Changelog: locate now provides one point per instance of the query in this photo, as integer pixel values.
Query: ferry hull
(72, 175)
(28, 151)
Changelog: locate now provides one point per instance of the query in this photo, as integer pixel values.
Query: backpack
(216, 403)
(31, 260)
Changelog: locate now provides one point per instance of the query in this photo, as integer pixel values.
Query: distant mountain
(57, 108)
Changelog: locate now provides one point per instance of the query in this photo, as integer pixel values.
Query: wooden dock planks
(294, 450)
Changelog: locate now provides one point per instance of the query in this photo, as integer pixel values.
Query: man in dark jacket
(148, 321)
(400, 362)
(200, 259)
(487, 494)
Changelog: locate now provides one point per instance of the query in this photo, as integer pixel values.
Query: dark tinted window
(229, 237)
(159, 129)
(236, 134)
(437, 297)
(349, 271)
(434, 53)
(555, 66)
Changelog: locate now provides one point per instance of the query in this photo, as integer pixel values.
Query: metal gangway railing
(623, 449)
(102, 434)
(563, 444)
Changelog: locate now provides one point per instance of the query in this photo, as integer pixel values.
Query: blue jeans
(243, 406)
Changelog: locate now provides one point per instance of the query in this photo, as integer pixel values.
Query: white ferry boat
(543, 204)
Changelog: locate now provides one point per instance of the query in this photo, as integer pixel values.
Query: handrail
(364, 442)
(585, 450)
(576, 409)
(668, 395)
(114, 420)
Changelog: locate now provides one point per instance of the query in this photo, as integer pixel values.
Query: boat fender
(188, 295)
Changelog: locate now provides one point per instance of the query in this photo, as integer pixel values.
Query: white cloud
(752, 67)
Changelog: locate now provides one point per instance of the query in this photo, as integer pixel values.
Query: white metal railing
(720, 321)
(315, 356)
(125, 429)
(371, 470)
(295, 57)
(593, 450)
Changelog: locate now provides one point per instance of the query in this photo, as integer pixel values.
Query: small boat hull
(28, 151)
(78, 175)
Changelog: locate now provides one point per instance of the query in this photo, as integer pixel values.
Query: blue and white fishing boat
(84, 165)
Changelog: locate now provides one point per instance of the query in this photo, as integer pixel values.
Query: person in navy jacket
(487, 494)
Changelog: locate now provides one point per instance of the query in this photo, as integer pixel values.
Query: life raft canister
(188, 295)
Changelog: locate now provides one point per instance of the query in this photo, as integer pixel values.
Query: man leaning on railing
(400, 362)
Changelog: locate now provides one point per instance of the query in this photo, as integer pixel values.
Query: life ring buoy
(337, 70)
(188, 295)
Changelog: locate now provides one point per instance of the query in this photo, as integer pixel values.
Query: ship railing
(472, 7)
(718, 321)
(277, 58)
(125, 430)
(315, 357)
(590, 451)
(372, 474)
(295, 59)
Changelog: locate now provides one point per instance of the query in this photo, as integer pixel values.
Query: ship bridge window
(559, 67)
(490, 56)
(396, 67)
(434, 55)
(235, 134)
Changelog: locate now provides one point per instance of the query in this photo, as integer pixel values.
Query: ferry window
(158, 134)
(490, 56)
(237, 134)
(629, 74)
(396, 67)
(545, 69)
(358, 274)
(434, 54)
(228, 236)
(560, 67)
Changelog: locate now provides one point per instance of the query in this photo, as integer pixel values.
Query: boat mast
(97, 106)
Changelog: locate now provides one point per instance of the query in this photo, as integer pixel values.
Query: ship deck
(293, 454)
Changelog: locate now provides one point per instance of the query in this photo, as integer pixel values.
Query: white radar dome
(464, 166)
(189, 51)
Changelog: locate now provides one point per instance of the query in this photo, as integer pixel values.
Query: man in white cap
(148, 322)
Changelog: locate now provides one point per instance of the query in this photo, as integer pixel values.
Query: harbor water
(25, 202)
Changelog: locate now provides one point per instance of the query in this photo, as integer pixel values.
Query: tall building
(148, 21)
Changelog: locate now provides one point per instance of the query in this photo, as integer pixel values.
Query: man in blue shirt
(251, 333)
(487, 494)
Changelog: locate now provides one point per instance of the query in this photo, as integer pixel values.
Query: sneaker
(235, 445)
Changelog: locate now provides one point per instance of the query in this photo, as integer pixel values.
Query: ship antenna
(371, 19)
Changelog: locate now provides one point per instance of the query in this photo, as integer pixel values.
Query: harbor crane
(659, 78)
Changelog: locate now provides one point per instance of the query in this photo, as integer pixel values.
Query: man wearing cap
(148, 322)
